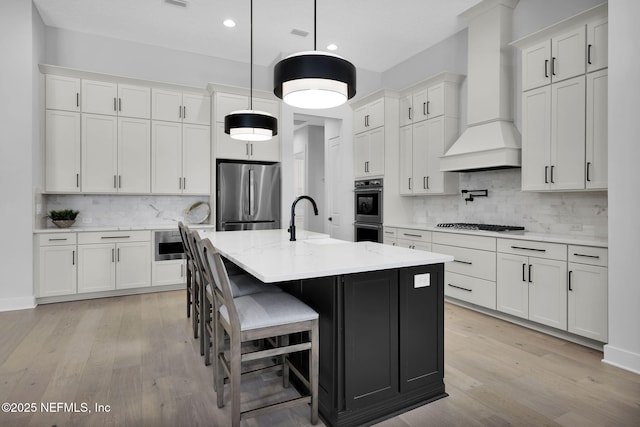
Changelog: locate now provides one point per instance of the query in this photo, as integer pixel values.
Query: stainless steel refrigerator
(248, 196)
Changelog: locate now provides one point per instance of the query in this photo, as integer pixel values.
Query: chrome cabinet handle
(179, 183)
(180, 111)
(115, 237)
(412, 235)
(119, 181)
(424, 106)
(115, 179)
(78, 180)
(460, 287)
(587, 256)
(184, 183)
(409, 183)
(184, 112)
(73, 257)
(570, 274)
(589, 54)
(428, 102)
(530, 266)
(463, 262)
(118, 257)
(524, 266)
(588, 170)
(119, 104)
(77, 99)
(553, 66)
(546, 68)
(546, 174)
(59, 239)
(552, 181)
(424, 183)
(410, 118)
(528, 249)
(113, 251)
(115, 104)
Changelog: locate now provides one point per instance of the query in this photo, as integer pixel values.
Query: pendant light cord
(315, 31)
(251, 60)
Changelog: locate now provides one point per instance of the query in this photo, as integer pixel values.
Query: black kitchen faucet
(292, 224)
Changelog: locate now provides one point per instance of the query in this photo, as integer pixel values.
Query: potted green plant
(64, 218)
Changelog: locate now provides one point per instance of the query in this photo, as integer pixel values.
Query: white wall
(624, 175)
(315, 180)
(16, 122)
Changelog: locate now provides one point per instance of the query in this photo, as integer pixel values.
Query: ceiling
(373, 34)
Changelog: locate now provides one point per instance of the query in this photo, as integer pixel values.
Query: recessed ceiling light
(332, 47)
(229, 23)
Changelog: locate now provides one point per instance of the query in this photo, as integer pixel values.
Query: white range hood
(491, 141)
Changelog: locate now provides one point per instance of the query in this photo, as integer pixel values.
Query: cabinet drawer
(536, 249)
(465, 288)
(465, 241)
(390, 232)
(114, 237)
(414, 244)
(389, 241)
(54, 239)
(588, 255)
(470, 262)
(415, 235)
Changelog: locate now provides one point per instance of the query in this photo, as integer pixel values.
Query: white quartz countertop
(271, 257)
(520, 235)
(82, 229)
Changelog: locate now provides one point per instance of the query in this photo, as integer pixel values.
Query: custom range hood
(491, 141)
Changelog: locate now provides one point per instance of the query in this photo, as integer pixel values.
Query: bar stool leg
(235, 363)
(219, 370)
(284, 341)
(313, 371)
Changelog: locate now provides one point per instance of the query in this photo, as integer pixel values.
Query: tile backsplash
(573, 213)
(108, 210)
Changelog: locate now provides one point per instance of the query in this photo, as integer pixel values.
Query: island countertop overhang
(271, 257)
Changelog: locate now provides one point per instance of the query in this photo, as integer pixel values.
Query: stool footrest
(276, 406)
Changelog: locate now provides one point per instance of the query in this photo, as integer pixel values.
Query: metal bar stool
(263, 315)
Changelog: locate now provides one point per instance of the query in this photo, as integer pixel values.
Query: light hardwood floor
(137, 355)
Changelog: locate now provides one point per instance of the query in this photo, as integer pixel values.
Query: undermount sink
(325, 241)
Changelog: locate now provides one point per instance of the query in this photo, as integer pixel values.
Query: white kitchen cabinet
(100, 97)
(421, 146)
(62, 93)
(62, 151)
(369, 153)
(588, 292)
(555, 59)
(168, 272)
(389, 236)
(57, 264)
(123, 262)
(180, 158)
(597, 44)
(229, 148)
(369, 116)
(596, 168)
(413, 239)
(183, 107)
(115, 154)
(532, 287)
(434, 97)
(553, 137)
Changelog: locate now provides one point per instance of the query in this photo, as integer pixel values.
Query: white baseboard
(21, 303)
(620, 358)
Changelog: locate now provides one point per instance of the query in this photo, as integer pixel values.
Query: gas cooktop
(483, 227)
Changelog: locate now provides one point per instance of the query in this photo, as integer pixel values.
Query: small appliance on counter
(247, 195)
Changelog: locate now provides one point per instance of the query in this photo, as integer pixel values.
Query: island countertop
(271, 257)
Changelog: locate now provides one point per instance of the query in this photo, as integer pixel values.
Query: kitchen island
(381, 316)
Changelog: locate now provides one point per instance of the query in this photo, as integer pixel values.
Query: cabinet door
(133, 265)
(512, 286)
(267, 105)
(134, 155)
(62, 151)
(227, 103)
(168, 273)
(568, 54)
(376, 114)
(407, 158)
(421, 105)
(407, 112)
(96, 268)
(376, 152)
(266, 151)
(567, 170)
(597, 44)
(229, 148)
(420, 158)
(196, 159)
(597, 130)
(166, 105)
(371, 337)
(360, 119)
(536, 138)
(99, 153)
(99, 97)
(57, 268)
(360, 155)
(435, 101)
(421, 328)
(134, 101)
(166, 157)
(62, 93)
(435, 149)
(196, 108)
(548, 292)
(536, 67)
(587, 305)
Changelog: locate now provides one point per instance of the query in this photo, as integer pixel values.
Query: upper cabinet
(564, 104)
(62, 93)
(229, 148)
(100, 97)
(428, 102)
(369, 116)
(184, 107)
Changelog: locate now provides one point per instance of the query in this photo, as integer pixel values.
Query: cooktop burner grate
(483, 227)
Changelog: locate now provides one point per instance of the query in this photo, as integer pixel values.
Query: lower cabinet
(57, 258)
(413, 239)
(168, 272)
(114, 260)
(533, 287)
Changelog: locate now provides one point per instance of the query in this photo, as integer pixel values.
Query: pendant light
(314, 79)
(250, 125)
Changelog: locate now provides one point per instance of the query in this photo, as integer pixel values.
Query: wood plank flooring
(137, 355)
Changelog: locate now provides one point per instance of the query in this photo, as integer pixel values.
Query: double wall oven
(368, 210)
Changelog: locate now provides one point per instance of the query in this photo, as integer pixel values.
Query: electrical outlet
(422, 280)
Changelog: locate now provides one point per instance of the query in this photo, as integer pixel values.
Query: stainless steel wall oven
(368, 210)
